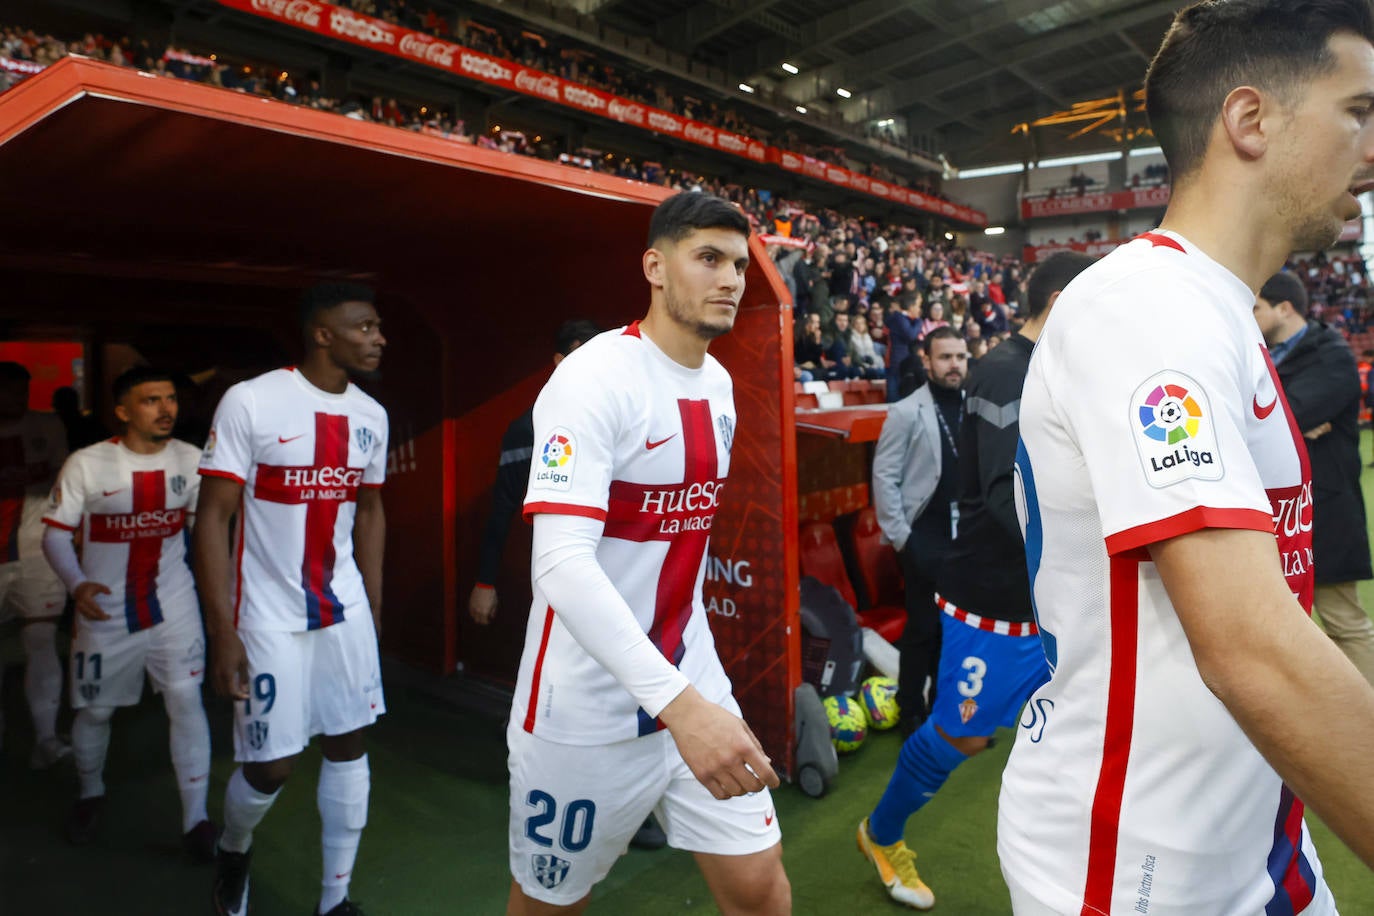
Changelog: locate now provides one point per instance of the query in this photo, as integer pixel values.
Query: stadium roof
(961, 73)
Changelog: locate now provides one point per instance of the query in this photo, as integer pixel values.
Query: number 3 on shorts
(578, 819)
(972, 684)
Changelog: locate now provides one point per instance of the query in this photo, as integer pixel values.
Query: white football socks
(42, 677)
(90, 742)
(342, 798)
(244, 808)
(190, 744)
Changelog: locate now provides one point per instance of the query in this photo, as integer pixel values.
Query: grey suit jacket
(906, 464)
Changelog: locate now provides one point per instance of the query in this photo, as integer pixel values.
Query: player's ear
(321, 336)
(655, 265)
(121, 413)
(1248, 117)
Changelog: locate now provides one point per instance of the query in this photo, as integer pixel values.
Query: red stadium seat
(821, 559)
(877, 563)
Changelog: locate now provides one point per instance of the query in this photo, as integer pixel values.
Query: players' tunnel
(179, 223)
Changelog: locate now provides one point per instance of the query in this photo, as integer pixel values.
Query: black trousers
(919, 644)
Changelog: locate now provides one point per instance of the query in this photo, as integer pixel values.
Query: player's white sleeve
(374, 475)
(581, 594)
(60, 551)
(1160, 423)
(67, 502)
(229, 450)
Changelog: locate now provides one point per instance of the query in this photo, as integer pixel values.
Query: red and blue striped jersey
(133, 512)
(625, 435)
(301, 455)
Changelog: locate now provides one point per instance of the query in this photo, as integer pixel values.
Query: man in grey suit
(915, 494)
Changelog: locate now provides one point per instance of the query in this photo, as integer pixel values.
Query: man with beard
(300, 455)
(131, 498)
(1164, 490)
(622, 706)
(915, 494)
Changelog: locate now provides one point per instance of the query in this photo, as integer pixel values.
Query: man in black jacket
(1322, 385)
(991, 659)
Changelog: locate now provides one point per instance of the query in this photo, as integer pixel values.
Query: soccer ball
(848, 727)
(878, 695)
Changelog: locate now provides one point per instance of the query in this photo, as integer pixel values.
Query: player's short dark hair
(13, 372)
(574, 333)
(684, 213)
(1214, 46)
(945, 333)
(1285, 287)
(138, 375)
(324, 296)
(1051, 276)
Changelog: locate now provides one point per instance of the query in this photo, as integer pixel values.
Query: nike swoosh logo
(340, 877)
(197, 671)
(1263, 412)
(651, 445)
(292, 439)
(768, 819)
(112, 492)
(195, 779)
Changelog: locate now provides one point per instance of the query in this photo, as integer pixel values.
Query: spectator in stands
(992, 320)
(915, 484)
(935, 318)
(1322, 388)
(903, 329)
(958, 312)
(977, 349)
(863, 352)
(808, 350)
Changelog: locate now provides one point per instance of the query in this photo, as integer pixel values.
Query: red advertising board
(1072, 204)
(365, 31)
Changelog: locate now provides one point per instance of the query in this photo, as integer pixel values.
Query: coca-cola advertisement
(429, 50)
(346, 25)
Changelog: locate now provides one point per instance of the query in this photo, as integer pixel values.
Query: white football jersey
(131, 510)
(624, 434)
(1151, 410)
(32, 450)
(301, 455)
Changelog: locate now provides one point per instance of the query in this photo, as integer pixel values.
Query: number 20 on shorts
(575, 827)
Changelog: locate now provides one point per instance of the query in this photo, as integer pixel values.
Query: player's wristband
(485, 587)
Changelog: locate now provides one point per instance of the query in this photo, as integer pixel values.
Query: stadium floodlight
(994, 230)
(791, 69)
(843, 92)
(887, 122)
(801, 109)
(985, 171)
(949, 236)
(745, 87)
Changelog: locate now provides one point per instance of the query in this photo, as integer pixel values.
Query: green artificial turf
(436, 838)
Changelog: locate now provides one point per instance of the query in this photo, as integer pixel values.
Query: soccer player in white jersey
(300, 454)
(1193, 706)
(132, 499)
(622, 706)
(32, 448)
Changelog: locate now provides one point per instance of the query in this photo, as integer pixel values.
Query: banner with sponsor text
(365, 31)
(1073, 203)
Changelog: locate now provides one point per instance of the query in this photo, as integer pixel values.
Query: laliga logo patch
(209, 444)
(178, 484)
(726, 425)
(1175, 436)
(557, 459)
